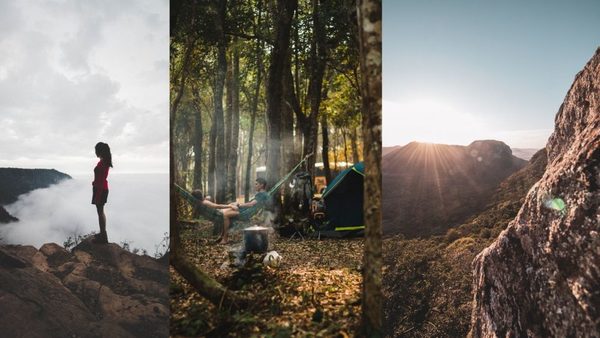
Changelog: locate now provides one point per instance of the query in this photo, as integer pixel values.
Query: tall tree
(203, 283)
(283, 14)
(369, 23)
(325, 147)
(232, 157)
(254, 100)
(198, 137)
(218, 120)
(318, 60)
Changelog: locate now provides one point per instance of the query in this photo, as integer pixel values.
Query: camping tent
(344, 200)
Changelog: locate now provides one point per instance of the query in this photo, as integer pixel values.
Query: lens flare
(556, 204)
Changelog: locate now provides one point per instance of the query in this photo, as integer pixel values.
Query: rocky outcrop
(94, 291)
(541, 277)
(5, 217)
(15, 181)
(429, 188)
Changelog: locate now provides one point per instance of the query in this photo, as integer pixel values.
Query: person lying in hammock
(228, 212)
(261, 199)
(243, 211)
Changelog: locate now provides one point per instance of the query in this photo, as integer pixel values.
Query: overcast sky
(457, 71)
(73, 73)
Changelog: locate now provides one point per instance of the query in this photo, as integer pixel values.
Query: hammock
(215, 216)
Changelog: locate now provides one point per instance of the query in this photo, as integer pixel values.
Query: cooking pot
(256, 239)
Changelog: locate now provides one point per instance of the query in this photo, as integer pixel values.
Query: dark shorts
(102, 198)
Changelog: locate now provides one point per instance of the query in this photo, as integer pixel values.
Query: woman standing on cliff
(100, 187)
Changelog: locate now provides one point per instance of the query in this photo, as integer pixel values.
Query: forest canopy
(262, 83)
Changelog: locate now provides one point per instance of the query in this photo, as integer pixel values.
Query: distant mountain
(15, 182)
(524, 153)
(428, 188)
(387, 150)
(435, 272)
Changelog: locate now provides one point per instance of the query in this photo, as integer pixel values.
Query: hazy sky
(456, 71)
(73, 73)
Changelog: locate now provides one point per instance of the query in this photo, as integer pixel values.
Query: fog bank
(137, 212)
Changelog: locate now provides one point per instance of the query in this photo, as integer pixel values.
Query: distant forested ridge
(15, 181)
(430, 188)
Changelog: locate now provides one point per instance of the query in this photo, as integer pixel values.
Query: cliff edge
(541, 277)
(94, 291)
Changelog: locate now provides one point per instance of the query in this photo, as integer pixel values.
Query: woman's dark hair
(198, 194)
(103, 151)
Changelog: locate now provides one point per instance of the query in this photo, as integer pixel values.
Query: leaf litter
(315, 290)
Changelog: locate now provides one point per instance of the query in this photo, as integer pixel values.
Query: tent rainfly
(344, 200)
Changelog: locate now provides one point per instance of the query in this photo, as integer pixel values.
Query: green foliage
(74, 239)
(427, 286)
(452, 235)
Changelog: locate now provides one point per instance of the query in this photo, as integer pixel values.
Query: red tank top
(100, 175)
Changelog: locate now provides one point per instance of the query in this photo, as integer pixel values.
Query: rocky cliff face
(541, 277)
(93, 291)
(431, 187)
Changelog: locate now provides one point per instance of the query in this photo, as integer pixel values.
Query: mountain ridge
(428, 280)
(17, 181)
(432, 187)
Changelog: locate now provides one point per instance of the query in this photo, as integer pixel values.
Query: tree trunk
(345, 145)
(289, 159)
(354, 144)
(228, 119)
(212, 156)
(232, 158)
(318, 62)
(220, 159)
(325, 148)
(259, 71)
(369, 23)
(335, 150)
(198, 136)
(251, 135)
(284, 12)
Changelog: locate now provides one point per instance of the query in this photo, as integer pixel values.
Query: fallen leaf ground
(315, 291)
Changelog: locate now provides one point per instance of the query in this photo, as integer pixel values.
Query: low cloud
(137, 212)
